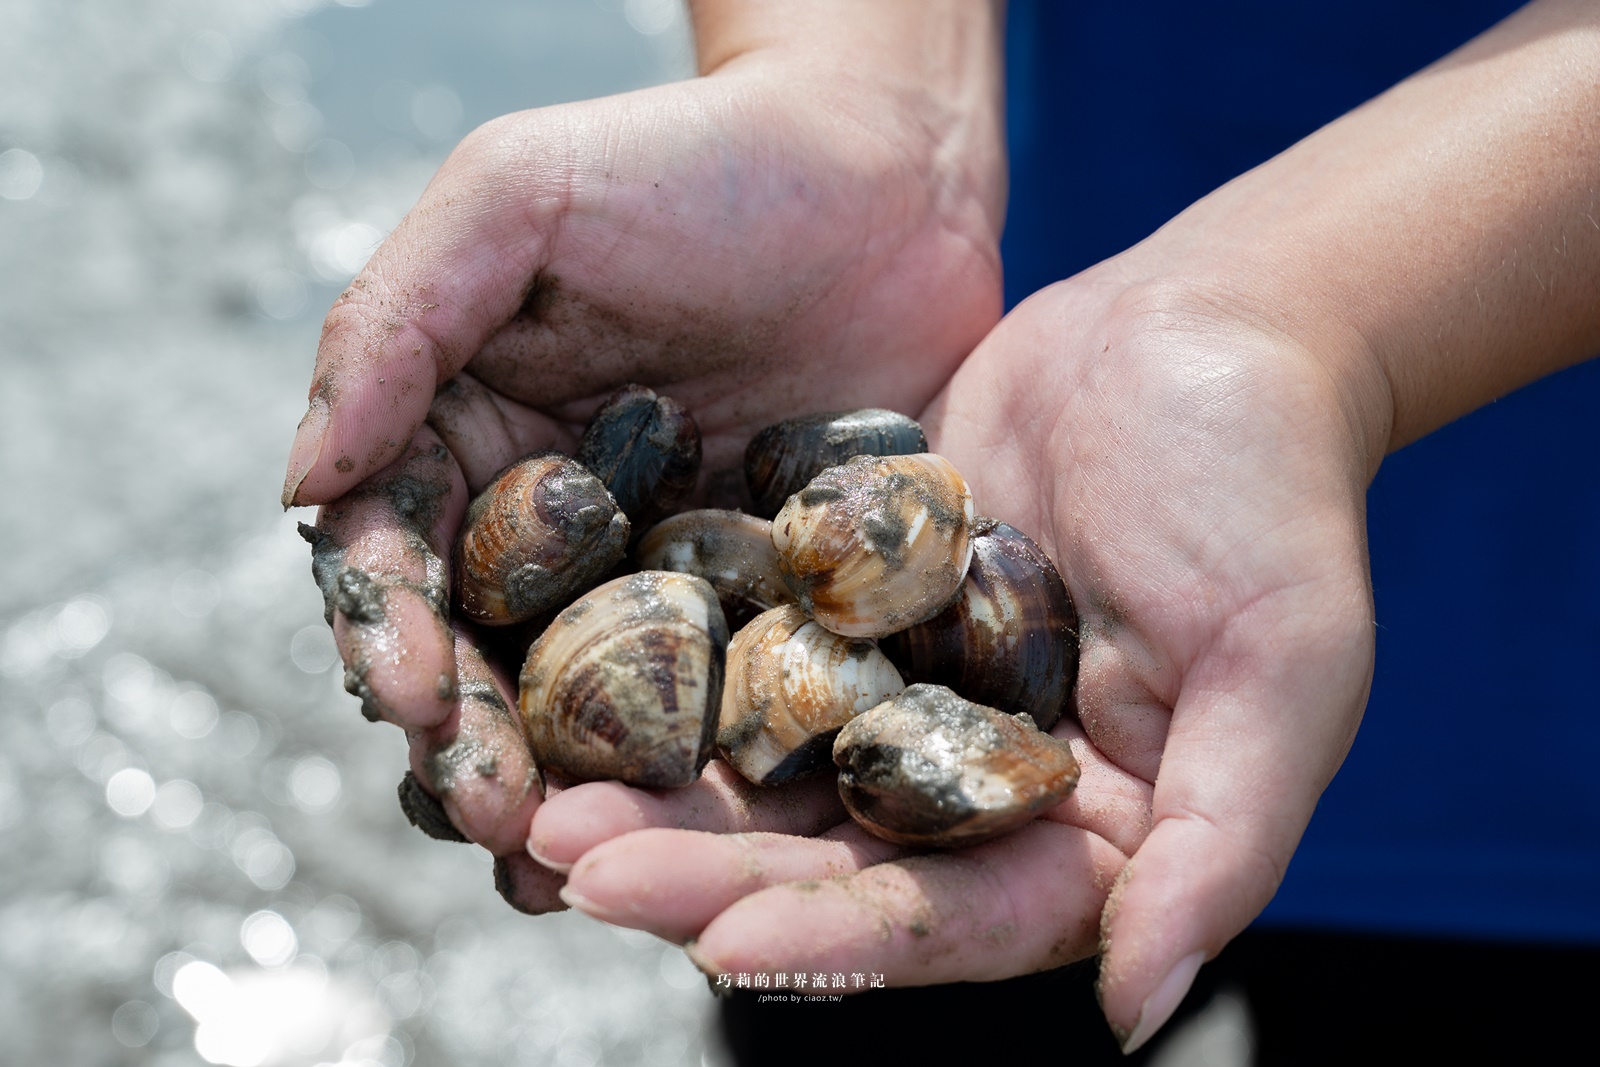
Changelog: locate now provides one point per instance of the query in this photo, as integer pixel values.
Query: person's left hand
(1199, 479)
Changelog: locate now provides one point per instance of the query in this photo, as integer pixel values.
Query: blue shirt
(1467, 806)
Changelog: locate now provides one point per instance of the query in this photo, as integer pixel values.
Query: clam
(542, 532)
(1009, 640)
(791, 686)
(627, 682)
(646, 449)
(731, 550)
(782, 458)
(425, 811)
(930, 768)
(877, 544)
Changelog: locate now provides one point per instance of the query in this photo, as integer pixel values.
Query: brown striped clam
(627, 682)
(544, 530)
(876, 544)
(781, 459)
(929, 768)
(1009, 640)
(791, 685)
(731, 550)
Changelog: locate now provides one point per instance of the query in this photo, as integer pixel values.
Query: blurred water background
(203, 860)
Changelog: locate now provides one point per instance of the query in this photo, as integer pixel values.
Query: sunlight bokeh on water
(205, 862)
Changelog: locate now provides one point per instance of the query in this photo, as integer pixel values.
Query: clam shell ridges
(627, 682)
(791, 685)
(1009, 640)
(731, 550)
(877, 544)
(543, 531)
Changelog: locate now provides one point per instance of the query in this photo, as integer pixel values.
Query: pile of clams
(878, 625)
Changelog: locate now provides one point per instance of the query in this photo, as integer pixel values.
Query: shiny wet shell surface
(932, 769)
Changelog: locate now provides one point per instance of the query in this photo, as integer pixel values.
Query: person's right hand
(743, 242)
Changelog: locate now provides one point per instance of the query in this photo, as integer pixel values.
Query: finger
(1258, 732)
(378, 555)
(1119, 710)
(456, 268)
(673, 882)
(571, 823)
(485, 431)
(527, 886)
(1026, 902)
(1108, 801)
(476, 761)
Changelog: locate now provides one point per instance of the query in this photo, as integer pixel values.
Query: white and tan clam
(627, 682)
(791, 685)
(877, 544)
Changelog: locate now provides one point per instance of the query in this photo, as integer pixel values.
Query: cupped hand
(752, 247)
(1199, 478)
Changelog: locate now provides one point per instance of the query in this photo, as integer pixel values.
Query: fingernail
(717, 981)
(577, 902)
(307, 446)
(1159, 1006)
(545, 861)
(702, 962)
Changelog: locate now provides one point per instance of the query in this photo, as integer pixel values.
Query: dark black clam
(1010, 639)
(646, 449)
(781, 459)
(929, 768)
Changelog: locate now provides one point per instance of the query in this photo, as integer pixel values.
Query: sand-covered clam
(1009, 640)
(544, 530)
(627, 682)
(876, 544)
(646, 449)
(791, 685)
(781, 459)
(731, 550)
(930, 768)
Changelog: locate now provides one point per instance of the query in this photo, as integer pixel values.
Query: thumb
(1255, 738)
(456, 269)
